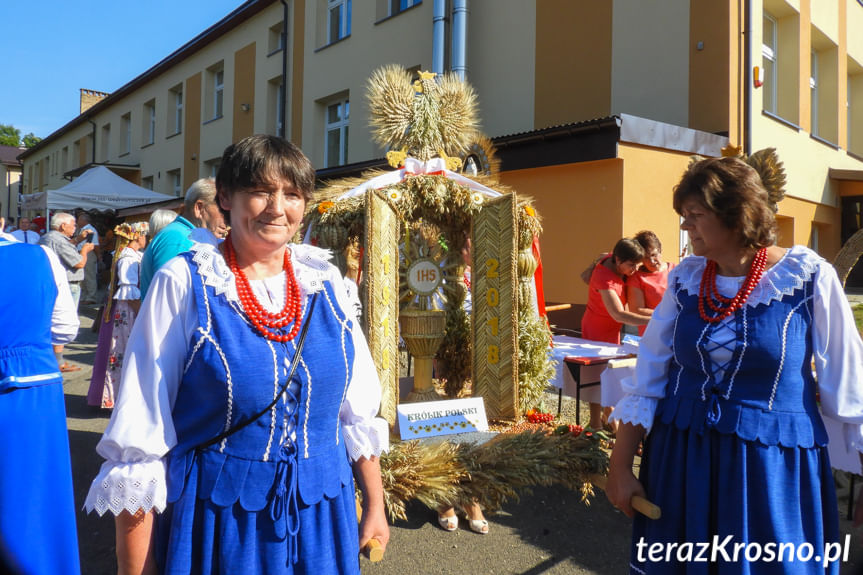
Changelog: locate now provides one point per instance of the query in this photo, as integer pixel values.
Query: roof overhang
(845, 175)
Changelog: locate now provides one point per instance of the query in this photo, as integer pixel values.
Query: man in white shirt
(88, 285)
(24, 234)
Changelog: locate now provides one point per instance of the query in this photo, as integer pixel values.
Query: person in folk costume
(121, 308)
(724, 394)
(232, 445)
(37, 508)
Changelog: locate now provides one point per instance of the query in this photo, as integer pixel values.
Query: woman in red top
(645, 288)
(606, 302)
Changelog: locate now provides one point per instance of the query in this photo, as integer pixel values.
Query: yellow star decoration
(396, 158)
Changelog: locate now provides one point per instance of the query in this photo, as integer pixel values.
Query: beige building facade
(10, 179)
(595, 107)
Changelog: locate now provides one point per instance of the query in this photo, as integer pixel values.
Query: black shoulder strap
(294, 363)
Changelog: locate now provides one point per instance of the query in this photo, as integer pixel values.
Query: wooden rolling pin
(640, 504)
(373, 550)
(558, 307)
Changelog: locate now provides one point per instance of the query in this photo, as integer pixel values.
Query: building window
(211, 167)
(337, 120)
(106, 143)
(147, 183)
(855, 108)
(125, 133)
(216, 91)
(175, 109)
(175, 182)
(813, 92)
(768, 53)
(65, 164)
(276, 106)
(149, 128)
(76, 154)
(338, 19)
(276, 40)
(397, 6)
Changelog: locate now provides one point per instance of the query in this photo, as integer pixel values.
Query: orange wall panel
(573, 61)
(191, 129)
(244, 93)
(580, 206)
(650, 175)
(711, 82)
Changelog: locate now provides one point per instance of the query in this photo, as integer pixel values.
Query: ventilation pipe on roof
(459, 38)
(438, 36)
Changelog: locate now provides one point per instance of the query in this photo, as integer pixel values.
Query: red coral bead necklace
(709, 296)
(265, 322)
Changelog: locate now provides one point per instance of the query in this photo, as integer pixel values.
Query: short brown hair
(628, 250)
(649, 241)
(263, 159)
(731, 189)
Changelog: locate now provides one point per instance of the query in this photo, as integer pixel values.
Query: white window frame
(343, 8)
(126, 133)
(768, 52)
(151, 122)
(402, 5)
(178, 109)
(218, 92)
(280, 109)
(813, 92)
(341, 126)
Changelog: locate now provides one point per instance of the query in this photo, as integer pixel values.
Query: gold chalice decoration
(427, 273)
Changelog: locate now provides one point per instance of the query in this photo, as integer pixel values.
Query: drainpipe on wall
(93, 143)
(284, 94)
(747, 75)
(459, 38)
(438, 36)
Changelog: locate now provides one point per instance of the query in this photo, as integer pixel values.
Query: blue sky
(50, 49)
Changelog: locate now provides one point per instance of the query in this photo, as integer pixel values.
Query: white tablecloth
(609, 374)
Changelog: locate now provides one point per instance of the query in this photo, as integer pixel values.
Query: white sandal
(448, 523)
(478, 526)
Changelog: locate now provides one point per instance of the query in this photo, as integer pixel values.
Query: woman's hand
(621, 487)
(622, 484)
(374, 521)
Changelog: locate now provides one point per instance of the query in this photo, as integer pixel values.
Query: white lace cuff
(635, 409)
(129, 486)
(366, 438)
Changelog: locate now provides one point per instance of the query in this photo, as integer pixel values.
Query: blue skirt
(198, 536)
(37, 505)
(711, 486)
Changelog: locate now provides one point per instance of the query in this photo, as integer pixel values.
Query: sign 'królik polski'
(444, 417)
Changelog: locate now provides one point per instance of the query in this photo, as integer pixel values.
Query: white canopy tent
(96, 189)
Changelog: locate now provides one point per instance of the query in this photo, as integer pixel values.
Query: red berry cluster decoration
(575, 429)
(535, 416)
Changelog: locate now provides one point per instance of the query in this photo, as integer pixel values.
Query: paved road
(549, 531)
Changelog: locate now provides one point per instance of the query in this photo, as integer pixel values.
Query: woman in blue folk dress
(230, 451)
(735, 450)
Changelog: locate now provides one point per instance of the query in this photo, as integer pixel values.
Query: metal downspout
(284, 95)
(459, 38)
(438, 36)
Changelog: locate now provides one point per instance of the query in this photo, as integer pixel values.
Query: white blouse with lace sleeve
(141, 429)
(128, 270)
(836, 345)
